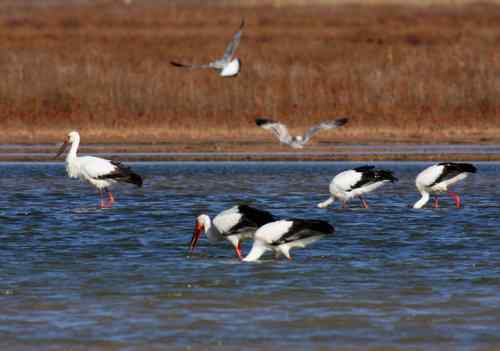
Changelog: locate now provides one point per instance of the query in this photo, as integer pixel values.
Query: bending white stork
(355, 183)
(437, 178)
(283, 235)
(99, 172)
(235, 224)
(297, 142)
(225, 66)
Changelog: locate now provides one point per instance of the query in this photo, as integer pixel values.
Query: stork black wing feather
(452, 169)
(251, 218)
(302, 229)
(123, 173)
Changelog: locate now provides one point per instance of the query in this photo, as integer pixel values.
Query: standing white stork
(283, 235)
(99, 172)
(356, 182)
(235, 224)
(280, 131)
(437, 178)
(227, 66)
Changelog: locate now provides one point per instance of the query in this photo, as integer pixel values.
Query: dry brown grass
(403, 73)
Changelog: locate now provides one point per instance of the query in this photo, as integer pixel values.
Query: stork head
(200, 225)
(71, 138)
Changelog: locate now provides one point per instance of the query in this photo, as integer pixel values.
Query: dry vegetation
(418, 74)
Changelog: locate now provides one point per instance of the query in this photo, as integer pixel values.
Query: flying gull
(227, 66)
(281, 131)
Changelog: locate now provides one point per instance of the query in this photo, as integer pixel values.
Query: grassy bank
(412, 74)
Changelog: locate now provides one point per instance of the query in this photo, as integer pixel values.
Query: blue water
(76, 277)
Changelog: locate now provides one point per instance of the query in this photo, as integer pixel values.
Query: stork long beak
(196, 235)
(63, 148)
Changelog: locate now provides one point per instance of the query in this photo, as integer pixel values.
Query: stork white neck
(425, 198)
(210, 231)
(71, 156)
(257, 250)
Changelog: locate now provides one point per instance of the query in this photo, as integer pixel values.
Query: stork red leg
(101, 200)
(436, 202)
(111, 199)
(238, 250)
(456, 197)
(363, 202)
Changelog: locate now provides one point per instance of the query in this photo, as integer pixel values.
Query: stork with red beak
(235, 225)
(99, 172)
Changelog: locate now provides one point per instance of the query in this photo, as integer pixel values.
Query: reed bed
(402, 73)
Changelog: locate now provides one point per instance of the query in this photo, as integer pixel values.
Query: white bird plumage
(297, 142)
(234, 224)
(437, 178)
(283, 235)
(355, 183)
(227, 66)
(99, 172)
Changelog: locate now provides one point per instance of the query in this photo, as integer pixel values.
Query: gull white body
(437, 178)
(355, 183)
(232, 69)
(283, 235)
(235, 224)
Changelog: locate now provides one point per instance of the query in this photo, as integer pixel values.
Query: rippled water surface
(76, 277)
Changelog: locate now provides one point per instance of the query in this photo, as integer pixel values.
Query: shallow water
(75, 277)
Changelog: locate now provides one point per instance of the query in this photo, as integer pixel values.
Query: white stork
(235, 224)
(227, 66)
(99, 172)
(437, 178)
(280, 131)
(283, 235)
(356, 182)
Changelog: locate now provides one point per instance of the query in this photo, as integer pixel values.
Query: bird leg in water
(111, 199)
(238, 250)
(436, 202)
(363, 202)
(456, 197)
(101, 200)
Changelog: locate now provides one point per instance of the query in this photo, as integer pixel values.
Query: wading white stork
(280, 131)
(99, 172)
(356, 182)
(235, 224)
(437, 178)
(283, 235)
(227, 66)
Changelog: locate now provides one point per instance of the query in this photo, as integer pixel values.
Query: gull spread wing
(278, 129)
(233, 45)
(323, 125)
(178, 64)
